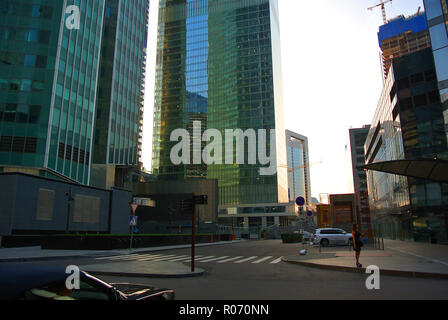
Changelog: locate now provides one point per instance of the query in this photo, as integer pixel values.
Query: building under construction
(402, 36)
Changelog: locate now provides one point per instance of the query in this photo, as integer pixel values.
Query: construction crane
(383, 9)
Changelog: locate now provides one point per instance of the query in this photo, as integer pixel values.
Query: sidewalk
(148, 269)
(399, 258)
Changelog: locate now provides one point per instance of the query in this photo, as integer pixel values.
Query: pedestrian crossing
(198, 258)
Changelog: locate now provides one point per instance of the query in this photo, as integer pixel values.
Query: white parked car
(332, 236)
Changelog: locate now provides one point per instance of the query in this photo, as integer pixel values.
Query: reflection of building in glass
(48, 80)
(437, 17)
(408, 124)
(402, 36)
(298, 167)
(357, 140)
(220, 59)
(118, 123)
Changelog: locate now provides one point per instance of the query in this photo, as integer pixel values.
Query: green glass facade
(218, 62)
(120, 96)
(48, 80)
(408, 124)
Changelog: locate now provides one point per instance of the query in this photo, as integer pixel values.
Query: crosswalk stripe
(163, 258)
(184, 258)
(214, 259)
(247, 259)
(177, 257)
(204, 258)
(277, 260)
(113, 257)
(262, 259)
(151, 257)
(189, 259)
(231, 259)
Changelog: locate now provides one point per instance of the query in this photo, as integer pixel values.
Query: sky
(331, 79)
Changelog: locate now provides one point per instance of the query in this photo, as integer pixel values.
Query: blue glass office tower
(218, 62)
(48, 81)
(52, 74)
(437, 17)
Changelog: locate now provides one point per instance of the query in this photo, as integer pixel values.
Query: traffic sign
(309, 213)
(133, 221)
(300, 201)
(134, 207)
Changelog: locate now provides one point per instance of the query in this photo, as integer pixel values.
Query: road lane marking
(177, 257)
(189, 259)
(149, 257)
(214, 259)
(171, 256)
(262, 259)
(276, 260)
(247, 259)
(204, 258)
(231, 259)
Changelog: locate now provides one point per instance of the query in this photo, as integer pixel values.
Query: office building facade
(50, 76)
(437, 17)
(119, 112)
(358, 137)
(218, 64)
(299, 184)
(408, 124)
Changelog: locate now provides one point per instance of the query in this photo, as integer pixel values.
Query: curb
(400, 273)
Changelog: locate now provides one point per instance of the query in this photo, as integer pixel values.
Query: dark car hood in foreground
(142, 292)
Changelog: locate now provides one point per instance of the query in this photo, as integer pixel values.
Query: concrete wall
(30, 204)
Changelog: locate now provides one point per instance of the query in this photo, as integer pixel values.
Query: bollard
(382, 239)
(320, 249)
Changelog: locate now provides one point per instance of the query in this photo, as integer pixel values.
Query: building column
(264, 222)
(277, 221)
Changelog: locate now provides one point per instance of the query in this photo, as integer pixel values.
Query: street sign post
(133, 222)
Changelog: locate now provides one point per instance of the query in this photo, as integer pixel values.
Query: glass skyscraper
(437, 16)
(298, 167)
(118, 127)
(48, 78)
(50, 72)
(218, 62)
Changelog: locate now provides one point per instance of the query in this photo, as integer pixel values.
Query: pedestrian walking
(357, 244)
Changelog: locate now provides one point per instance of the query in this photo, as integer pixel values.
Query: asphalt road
(269, 279)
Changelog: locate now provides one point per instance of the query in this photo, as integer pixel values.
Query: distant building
(357, 140)
(299, 184)
(343, 211)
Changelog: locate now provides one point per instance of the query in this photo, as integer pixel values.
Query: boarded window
(87, 209)
(45, 204)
